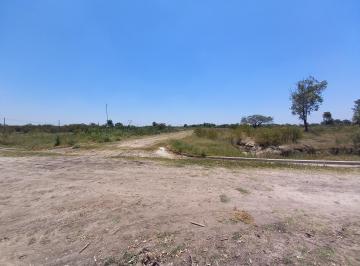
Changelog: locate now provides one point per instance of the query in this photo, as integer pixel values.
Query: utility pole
(107, 116)
(59, 125)
(4, 125)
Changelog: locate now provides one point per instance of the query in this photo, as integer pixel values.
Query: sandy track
(137, 147)
(146, 142)
(137, 211)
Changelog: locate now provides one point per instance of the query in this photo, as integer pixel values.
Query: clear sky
(174, 61)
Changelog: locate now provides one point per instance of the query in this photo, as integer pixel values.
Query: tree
(346, 122)
(356, 109)
(327, 118)
(306, 98)
(256, 120)
(109, 123)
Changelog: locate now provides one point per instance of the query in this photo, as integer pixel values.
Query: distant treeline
(83, 128)
(78, 128)
(338, 122)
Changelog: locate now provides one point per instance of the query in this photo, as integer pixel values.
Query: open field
(30, 137)
(103, 207)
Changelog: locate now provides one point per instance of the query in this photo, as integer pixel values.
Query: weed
(176, 250)
(243, 190)
(356, 139)
(209, 133)
(236, 236)
(224, 198)
(130, 258)
(242, 216)
(57, 141)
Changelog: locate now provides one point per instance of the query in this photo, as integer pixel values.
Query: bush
(277, 135)
(290, 134)
(267, 136)
(206, 133)
(183, 147)
(356, 139)
(57, 141)
(71, 142)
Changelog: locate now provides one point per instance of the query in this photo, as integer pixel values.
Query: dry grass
(243, 216)
(321, 142)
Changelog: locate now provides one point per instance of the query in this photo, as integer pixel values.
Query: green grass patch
(195, 145)
(39, 138)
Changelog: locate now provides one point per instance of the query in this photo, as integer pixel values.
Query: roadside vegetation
(37, 137)
(320, 142)
(226, 141)
(256, 136)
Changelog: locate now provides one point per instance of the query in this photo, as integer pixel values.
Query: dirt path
(146, 142)
(137, 147)
(134, 212)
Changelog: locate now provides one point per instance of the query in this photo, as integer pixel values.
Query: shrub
(277, 136)
(206, 133)
(290, 134)
(356, 139)
(183, 147)
(57, 141)
(267, 137)
(71, 142)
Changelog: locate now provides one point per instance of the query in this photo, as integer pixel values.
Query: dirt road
(96, 210)
(136, 147)
(146, 142)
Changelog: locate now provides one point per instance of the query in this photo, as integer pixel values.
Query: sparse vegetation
(320, 142)
(277, 135)
(243, 190)
(33, 137)
(356, 139)
(224, 198)
(242, 216)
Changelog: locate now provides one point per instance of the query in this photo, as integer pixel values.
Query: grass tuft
(224, 198)
(243, 190)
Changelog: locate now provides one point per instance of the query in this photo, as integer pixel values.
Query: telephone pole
(4, 125)
(107, 116)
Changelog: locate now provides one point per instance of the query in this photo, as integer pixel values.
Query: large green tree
(356, 116)
(257, 120)
(327, 118)
(306, 98)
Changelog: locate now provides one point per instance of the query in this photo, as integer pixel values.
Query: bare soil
(92, 209)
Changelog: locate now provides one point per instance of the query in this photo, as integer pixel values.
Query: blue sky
(184, 61)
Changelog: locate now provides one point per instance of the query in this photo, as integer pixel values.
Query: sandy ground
(97, 210)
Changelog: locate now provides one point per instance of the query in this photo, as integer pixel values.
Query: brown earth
(92, 209)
